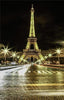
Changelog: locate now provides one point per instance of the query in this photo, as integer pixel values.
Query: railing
(31, 50)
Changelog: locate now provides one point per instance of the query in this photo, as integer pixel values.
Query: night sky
(15, 23)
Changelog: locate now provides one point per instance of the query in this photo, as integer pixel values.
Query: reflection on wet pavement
(32, 83)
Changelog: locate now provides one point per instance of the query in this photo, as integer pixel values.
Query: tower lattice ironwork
(32, 51)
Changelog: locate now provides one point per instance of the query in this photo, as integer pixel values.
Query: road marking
(52, 84)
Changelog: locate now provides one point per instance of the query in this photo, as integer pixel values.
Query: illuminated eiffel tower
(32, 52)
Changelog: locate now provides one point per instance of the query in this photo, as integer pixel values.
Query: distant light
(21, 58)
(50, 55)
(44, 72)
(42, 58)
(58, 51)
(17, 56)
(45, 57)
(14, 55)
(5, 50)
(39, 72)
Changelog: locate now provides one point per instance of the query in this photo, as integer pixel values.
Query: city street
(26, 82)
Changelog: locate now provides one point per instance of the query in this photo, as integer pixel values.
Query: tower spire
(32, 6)
(32, 28)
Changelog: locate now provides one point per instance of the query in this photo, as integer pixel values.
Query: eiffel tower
(32, 52)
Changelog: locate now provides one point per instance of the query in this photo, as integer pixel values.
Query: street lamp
(42, 58)
(58, 51)
(5, 51)
(13, 55)
(18, 57)
(49, 55)
(45, 57)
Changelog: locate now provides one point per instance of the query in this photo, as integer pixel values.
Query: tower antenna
(32, 5)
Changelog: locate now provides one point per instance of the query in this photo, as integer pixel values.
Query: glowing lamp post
(18, 57)
(50, 55)
(58, 51)
(45, 57)
(5, 51)
(13, 55)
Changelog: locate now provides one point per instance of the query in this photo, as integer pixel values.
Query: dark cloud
(44, 19)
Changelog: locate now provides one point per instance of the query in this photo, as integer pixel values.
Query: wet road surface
(26, 82)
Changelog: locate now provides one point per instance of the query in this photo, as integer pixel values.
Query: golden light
(18, 56)
(45, 57)
(42, 58)
(13, 54)
(5, 50)
(32, 29)
(39, 72)
(32, 40)
(21, 58)
(50, 55)
(58, 51)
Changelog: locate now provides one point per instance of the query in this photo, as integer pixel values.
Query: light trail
(23, 69)
(50, 84)
(31, 85)
(47, 93)
(20, 70)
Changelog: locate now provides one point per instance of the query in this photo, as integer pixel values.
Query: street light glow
(50, 55)
(58, 51)
(42, 58)
(5, 50)
(18, 56)
(45, 57)
(13, 55)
